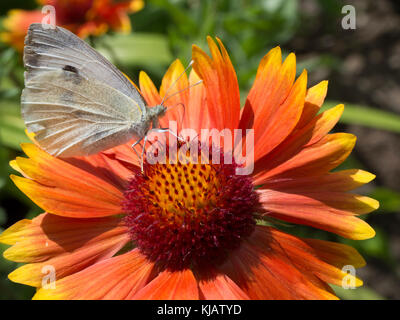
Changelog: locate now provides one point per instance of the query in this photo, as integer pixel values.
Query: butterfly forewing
(54, 49)
(74, 116)
(75, 101)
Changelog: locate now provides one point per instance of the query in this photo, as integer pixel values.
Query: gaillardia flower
(16, 25)
(82, 17)
(196, 231)
(94, 17)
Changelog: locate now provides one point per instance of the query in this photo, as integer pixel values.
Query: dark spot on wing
(70, 69)
(71, 74)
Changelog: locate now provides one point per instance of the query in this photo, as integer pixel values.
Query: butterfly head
(155, 113)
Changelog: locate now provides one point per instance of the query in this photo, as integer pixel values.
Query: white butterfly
(75, 101)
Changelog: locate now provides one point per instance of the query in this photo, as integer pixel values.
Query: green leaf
(361, 293)
(3, 216)
(136, 49)
(377, 247)
(179, 16)
(3, 167)
(367, 116)
(12, 128)
(389, 200)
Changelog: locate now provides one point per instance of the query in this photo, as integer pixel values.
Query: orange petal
(314, 99)
(168, 285)
(47, 236)
(170, 86)
(12, 234)
(273, 105)
(221, 85)
(220, 287)
(313, 132)
(317, 159)
(264, 272)
(112, 279)
(68, 245)
(266, 88)
(14, 165)
(345, 180)
(319, 126)
(305, 257)
(61, 188)
(197, 114)
(106, 167)
(336, 254)
(126, 155)
(270, 132)
(330, 211)
(148, 90)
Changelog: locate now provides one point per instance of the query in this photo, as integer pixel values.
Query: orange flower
(191, 231)
(94, 17)
(83, 17)
(16, 25)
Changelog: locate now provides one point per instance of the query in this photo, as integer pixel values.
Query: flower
(94, 17)
(16, 25)
(194, 231)
(83, 17)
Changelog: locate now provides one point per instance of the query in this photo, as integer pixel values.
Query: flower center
(182, 215)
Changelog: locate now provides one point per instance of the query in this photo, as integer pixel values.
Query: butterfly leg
(137, 154)
(143, 150)
(161, 130)
(169, 131)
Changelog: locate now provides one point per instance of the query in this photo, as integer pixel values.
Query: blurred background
(362, 66)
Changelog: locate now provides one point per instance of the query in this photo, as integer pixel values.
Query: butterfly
(75, 101)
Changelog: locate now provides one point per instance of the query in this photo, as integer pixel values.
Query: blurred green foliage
(165, 30)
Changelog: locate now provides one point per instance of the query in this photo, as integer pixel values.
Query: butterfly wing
(56, 49)
(75, 116)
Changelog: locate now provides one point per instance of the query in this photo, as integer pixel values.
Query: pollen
(189, 214)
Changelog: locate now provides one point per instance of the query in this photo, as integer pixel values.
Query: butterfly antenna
(176, 80)
(188, 87)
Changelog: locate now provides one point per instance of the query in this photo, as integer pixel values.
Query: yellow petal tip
(364, 232)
